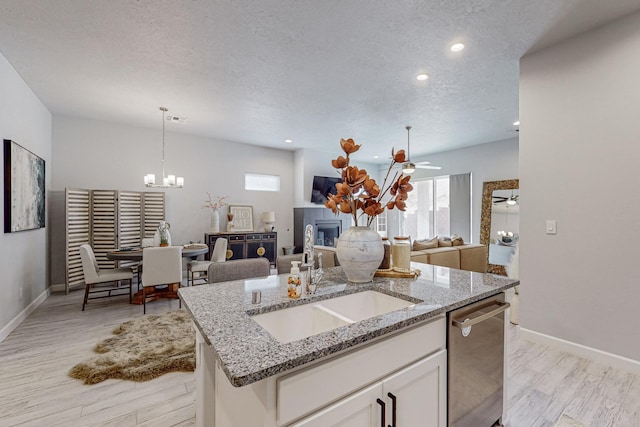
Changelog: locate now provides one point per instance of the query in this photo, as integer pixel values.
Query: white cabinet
(341, 390)
(414, 396)
(420, 392)
(358, 410)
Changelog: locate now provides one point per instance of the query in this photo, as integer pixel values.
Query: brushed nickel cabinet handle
(474, 321)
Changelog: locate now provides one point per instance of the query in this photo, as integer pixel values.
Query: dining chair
(219, 254)
(94, 275)
(283, 262)
(161, 266)
(238, 269)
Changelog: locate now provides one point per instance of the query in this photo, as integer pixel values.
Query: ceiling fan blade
(419, 166)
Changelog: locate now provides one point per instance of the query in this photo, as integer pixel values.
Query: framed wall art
(24, 190)
(242, 217)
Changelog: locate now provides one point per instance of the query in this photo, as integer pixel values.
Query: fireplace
(327, 232)
(326, 226)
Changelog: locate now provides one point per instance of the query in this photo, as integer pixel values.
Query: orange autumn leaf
(349, 146)
(399, 157)
(340, 162)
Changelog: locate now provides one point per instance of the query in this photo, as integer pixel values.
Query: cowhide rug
(142, 349)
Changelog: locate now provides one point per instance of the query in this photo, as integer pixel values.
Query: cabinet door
(420, 392)
(235, 250)
(357, 410)
(265, 249)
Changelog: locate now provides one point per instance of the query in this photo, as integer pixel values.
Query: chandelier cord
(164, 110)
(408, 128)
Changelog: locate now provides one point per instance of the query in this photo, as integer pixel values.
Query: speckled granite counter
(248, 353)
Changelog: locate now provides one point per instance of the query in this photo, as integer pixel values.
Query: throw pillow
(420, 245)
(444, 241)
(456, 240)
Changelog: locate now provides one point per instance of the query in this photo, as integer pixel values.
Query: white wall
(23, 255)
(310, 163)
(101, 155)
(579, 153)
(493, 161)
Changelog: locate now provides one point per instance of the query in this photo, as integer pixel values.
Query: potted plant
(360, 249)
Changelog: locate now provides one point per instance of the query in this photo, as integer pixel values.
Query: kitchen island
(245, 376)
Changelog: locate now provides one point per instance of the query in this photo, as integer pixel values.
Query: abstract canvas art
(23, 189)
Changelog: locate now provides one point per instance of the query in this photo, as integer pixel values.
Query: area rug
(567, 421)
(142, 349)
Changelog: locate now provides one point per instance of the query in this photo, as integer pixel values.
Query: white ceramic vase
(360, 251)
(215, 222)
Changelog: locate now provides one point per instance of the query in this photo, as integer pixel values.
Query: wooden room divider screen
(107, 220)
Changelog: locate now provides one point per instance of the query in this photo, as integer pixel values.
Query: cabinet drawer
(269, 236)
(254, 236)
(236, 238)
(305, 391)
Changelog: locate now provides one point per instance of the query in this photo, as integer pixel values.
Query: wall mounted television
(322, 186)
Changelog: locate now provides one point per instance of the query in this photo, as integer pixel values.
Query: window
(381, 224)
(260, 182)
(427, 211)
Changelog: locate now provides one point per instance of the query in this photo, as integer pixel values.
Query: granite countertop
(248, 353)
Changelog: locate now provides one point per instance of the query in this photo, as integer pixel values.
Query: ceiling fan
(511, 200)
(409, 167)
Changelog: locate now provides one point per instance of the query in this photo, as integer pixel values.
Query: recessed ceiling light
(456, 47)
(376, 157)
(422, 77)
(516, 123)
(288, 141)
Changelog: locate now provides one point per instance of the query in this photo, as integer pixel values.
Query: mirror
(500, 245)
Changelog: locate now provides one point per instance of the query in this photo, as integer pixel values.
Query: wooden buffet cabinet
(249, 244)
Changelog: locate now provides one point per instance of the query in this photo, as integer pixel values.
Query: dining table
(190, 251)
(135, 254)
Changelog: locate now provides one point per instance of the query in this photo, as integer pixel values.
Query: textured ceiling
(313, 71)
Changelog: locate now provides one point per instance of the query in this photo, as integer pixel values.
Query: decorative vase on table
(162, 236)
(360, 251)
(215, 222)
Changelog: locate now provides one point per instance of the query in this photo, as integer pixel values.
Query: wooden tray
(397, 274)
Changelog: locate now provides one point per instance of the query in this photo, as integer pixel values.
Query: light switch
(551, 226)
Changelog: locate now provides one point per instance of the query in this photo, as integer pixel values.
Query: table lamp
(269, 219)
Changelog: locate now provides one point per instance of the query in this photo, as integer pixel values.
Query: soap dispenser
(294, 283)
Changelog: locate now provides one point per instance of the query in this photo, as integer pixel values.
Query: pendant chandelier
(168, 181)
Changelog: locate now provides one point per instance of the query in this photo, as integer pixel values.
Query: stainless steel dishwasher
(475, 347)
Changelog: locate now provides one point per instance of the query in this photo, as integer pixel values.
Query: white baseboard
(15, 322)
(59, 288)
(590, 353)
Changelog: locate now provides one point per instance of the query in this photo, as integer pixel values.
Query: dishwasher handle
(474, 321)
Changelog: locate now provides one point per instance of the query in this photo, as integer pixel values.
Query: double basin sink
(295, 323)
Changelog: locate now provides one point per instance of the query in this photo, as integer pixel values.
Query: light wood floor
(36, 391)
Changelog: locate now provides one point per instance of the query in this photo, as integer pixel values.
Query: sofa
(464, 256)
(329, 259)
(238, 269)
